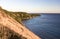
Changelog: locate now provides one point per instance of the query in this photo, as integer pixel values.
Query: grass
(20, 16)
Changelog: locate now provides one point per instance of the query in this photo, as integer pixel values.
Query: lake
(46, 26)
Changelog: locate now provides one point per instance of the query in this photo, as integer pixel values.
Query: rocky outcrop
(14, 29)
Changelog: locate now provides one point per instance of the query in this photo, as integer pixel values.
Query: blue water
(46, 26)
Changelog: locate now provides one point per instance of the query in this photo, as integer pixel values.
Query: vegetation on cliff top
(19, 16)
(5, 32)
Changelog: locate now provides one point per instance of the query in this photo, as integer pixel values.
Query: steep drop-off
(11, 29)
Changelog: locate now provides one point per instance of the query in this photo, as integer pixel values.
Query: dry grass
(6, 33)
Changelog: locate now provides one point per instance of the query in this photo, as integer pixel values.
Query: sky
(32, 6)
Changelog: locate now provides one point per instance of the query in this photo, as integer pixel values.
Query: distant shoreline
(49, 13)
(44, 13)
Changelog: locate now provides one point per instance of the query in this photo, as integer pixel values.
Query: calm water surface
(46, 26)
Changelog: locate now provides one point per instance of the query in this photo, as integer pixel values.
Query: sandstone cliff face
(11, 29)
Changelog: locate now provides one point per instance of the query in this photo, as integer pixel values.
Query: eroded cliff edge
(11, 29)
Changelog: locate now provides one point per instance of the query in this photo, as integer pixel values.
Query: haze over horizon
(32, 6)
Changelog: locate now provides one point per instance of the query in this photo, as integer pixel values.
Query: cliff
(20, 16)
(11, 29)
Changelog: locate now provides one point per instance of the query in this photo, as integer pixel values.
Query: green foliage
(19, 16)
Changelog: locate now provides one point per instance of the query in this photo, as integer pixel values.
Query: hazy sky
(40, 6)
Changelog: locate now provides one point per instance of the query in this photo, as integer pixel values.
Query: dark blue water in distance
(46, 26)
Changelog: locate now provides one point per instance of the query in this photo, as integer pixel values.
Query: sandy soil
(12, 24)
